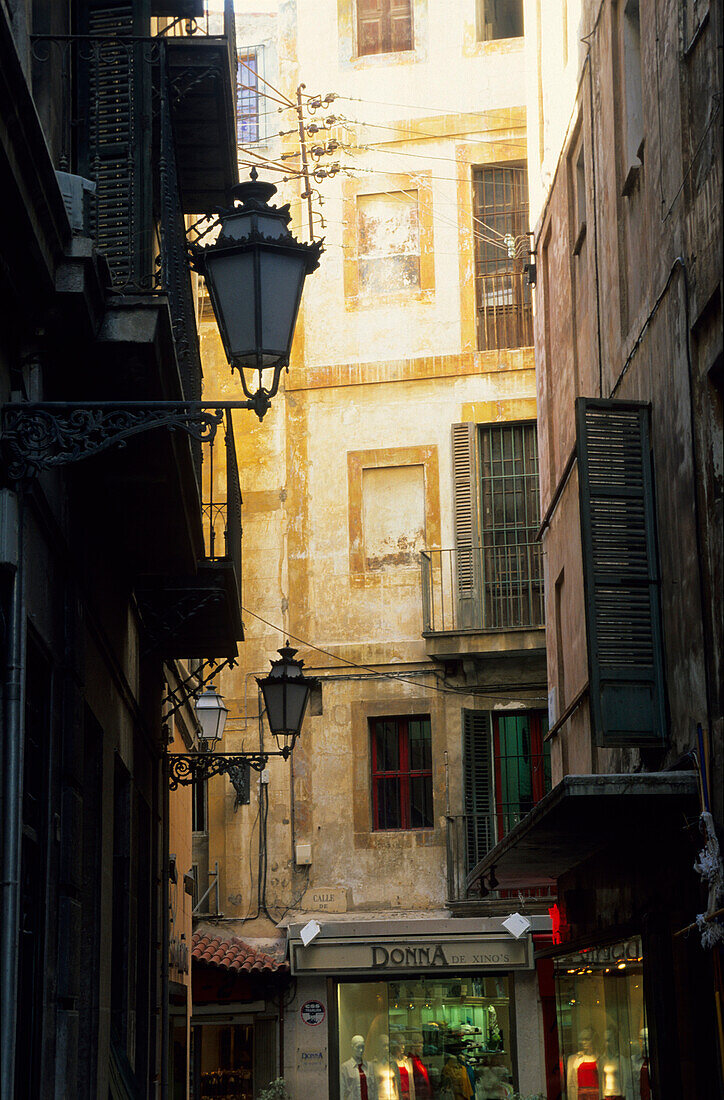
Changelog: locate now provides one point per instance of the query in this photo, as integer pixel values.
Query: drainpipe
(165, 901)
(14, 738)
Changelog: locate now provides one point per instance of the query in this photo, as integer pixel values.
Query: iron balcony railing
(482, 588)
(222, 503)
(469, 838)
(114, 136)
(505, 311)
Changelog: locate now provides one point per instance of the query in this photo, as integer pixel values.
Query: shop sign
(313, 1013)
(325, 899)
(614, 954)
(384, 957)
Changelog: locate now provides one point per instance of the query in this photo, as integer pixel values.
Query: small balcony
(469, 837)
(200, 615)
(483, 599)
(505, 311)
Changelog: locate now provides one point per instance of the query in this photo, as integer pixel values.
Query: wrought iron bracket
(184, 769)
(190, 688)
(38, 435)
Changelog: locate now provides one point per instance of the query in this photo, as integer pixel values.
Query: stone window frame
(357, 463)
(352, 189)
(362, 711)
(347, 39)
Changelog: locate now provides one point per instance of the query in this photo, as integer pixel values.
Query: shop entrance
(231, 1059)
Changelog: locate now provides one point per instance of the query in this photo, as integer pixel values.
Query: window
(522, 762)
(495, 578)
(384, 26)
(602, 1019)
(421, 1028)
(401, 773)
(247, 96)
(198, 807)
(499, 19)
(633, 91)
(512, 579)
(389, 242)
(503, 779)
(578, 180)
(500, 210)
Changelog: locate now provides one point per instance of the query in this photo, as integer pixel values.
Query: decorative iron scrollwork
(38, 435)
(185, 769)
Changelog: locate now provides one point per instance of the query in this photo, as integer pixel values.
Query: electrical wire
(375, 671)
(406, 106)
(257, 74)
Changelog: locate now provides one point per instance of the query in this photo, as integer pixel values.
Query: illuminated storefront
(421, 1009)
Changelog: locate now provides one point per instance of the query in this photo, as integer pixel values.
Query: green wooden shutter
(466, 483)
(477, 786)
(119, 98)
(620, 571)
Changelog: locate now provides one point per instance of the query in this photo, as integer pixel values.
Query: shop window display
(222, 1062)
(602, 1029)
(429, 1039)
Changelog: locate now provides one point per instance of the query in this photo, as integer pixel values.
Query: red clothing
(587, 1079)
(364, 1095)
(404, 1081)
(644, 1083)
(423, 1089)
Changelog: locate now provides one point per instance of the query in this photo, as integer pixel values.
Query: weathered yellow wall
(375, 383)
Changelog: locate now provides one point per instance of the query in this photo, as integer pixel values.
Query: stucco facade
(350, 477)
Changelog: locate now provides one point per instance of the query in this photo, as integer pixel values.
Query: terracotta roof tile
(234, 954)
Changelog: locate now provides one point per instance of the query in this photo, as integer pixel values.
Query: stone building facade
(625, 169)
(390, 508)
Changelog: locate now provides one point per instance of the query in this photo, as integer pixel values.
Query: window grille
(512, 575)
(503, 299)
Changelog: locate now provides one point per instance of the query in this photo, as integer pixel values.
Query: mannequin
(386, 1072)
(357, 1078)
(582, 1078)
(420, 1073)
(405, 1076)
(615, 1069)
(641, 1078)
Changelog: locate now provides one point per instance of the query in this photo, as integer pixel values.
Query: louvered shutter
(466, 483)
(477, 786)
(620, 571)
(118, 142)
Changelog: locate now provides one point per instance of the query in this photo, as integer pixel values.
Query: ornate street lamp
(255, 272)
(211, 712)
(286, 692)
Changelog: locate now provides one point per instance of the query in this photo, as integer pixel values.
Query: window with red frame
(522, 762)
(522, 765)
(401, 750)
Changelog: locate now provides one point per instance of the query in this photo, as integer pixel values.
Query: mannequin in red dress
(582, 1078)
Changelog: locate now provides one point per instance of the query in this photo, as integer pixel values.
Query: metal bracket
(185, 769)
(191, 692)
(37, 435)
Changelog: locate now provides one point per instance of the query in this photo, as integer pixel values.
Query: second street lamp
(286, 692)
